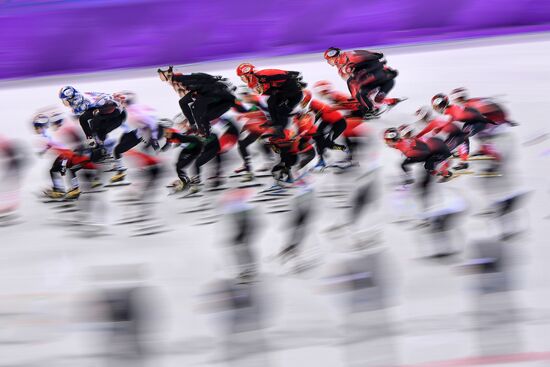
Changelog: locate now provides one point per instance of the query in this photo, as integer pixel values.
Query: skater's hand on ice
(155, 144)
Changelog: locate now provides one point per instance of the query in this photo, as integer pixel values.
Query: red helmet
(245, 68)
(391, 135)
(440, 101)
(332, 52)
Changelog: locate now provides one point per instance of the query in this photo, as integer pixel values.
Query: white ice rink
(45, 265)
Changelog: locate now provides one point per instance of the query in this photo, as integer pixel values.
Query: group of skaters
(292, 124)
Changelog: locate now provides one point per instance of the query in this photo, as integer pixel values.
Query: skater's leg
(186, 156)
(84, 121)
(243, 149)
(384, 89)
(104, 124)
(209, 108)
(211, 148)
(127, 141)
(321, 140)
(337, 129)
(55, 175)
(185, 104)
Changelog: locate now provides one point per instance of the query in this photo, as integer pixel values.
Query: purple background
(82, 36)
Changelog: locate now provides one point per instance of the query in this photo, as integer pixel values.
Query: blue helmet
(67, 92)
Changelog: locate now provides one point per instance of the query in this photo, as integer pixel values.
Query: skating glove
(155, 144)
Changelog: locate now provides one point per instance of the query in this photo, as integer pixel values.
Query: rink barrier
(60, 37)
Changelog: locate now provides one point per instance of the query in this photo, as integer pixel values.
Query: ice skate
(444, 178)
(490, 172)
(73, 194)
(118, 177)
(240, 170)
(373, 113)
(96, 183)
(194, 185)
(179, 185)
(340, 147)
(461, 166)
(247, 177)
(194, 188)
(54, 193)
(480, 156)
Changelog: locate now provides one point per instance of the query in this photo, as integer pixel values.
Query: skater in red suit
(284, 89)
(369, 78)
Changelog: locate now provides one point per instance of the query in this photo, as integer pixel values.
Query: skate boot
(118, 177)
(180, 184)
(54, 193)
(240, 169)
(96, 183)
(194, 185)
(340, 147)
(373, 113)
(447, 177)
(73, 194)
(461, 166)
(247, 177)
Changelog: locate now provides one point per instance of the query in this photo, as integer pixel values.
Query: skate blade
(279, 211)
(245, 185)
(265, 200)
(488, 175)
(117, 184)
(463, 172)
(61, 200)
(214, 189)
(480, 158)
(191, 195)
(206, 223)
